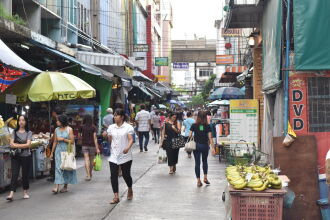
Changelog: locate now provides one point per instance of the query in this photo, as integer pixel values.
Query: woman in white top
(121, 138)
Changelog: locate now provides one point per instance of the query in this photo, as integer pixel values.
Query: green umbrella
(48, 86)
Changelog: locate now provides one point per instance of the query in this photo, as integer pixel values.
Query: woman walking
(20, 143)
(89, 145)
(170, 131)
(156, 126)
(121, 137)
(203, 138)
(63, 137)
(187, 123)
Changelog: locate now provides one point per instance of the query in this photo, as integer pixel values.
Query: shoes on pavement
(199, 184)
(145, 149)
(141, 151)
(115, 201)
(207, 182)
(64, 190)
(130, 194)
(26, 196)
(10, 199)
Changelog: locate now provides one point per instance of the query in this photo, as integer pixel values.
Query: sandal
(55, 191)
(115, 201)
(10, 199)
(199, 184)
(64, 190)
(88, 178)
(174, 169)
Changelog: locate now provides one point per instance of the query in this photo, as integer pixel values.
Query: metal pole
(287, 65)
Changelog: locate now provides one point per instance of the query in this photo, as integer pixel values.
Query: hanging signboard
(180, 66)
(141, 48)
(224, 59)
(10, 99)
(161, 61)
(244, 120)
(231, 32)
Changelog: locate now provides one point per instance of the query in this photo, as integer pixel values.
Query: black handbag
(178, 142)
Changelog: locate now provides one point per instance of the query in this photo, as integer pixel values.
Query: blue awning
(84, 67)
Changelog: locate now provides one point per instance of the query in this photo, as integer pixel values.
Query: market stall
(35, 95)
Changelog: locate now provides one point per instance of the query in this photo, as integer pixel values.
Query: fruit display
(256, 178)
(4, 133)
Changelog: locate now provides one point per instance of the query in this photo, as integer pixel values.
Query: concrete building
(199, 55)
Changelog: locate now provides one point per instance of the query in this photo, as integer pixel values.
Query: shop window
(319, 104)
(205, 72)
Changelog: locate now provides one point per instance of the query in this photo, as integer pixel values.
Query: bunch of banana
(274, 181)
(235, 177)
(261, 177)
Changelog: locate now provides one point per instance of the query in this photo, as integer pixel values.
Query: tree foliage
(208, 86)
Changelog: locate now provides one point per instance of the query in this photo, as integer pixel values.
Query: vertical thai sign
(298, 104)
(244, 120)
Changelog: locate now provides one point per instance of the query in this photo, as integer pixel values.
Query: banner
(311, 34)
(224, 59)
(271, 49)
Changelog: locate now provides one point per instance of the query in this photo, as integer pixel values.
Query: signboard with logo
(161, 61)
(231, 32)
(298, 104)
(141, 48)
(181, 66)
(224, 59)
(244, 120)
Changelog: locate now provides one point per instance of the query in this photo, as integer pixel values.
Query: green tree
(197, 100)
(208, 86)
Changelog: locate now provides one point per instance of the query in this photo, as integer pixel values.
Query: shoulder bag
(14, 152)
(178, 142)
(68, 160)
(190, 145)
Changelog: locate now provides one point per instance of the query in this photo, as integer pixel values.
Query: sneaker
(145, 149)
(141, 151)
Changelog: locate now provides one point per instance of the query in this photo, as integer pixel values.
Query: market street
(157, 195)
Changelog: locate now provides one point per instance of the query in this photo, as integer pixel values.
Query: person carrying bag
(63, 142)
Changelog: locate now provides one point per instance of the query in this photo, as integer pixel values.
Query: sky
(195, 17)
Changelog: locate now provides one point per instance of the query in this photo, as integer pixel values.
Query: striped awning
(103, 59)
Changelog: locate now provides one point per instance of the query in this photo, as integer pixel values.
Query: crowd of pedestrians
(168, 129)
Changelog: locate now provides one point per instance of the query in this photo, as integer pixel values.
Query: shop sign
(298, 104)
(224, 59)
(10, 99)
(141, 48)
(180, 66)
(231, 32)
(161, 61)
(244, 123)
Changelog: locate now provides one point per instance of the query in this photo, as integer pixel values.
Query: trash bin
(325, 208)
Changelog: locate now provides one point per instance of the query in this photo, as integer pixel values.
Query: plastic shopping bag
(162, 157)
(98, 163)
(290, 137)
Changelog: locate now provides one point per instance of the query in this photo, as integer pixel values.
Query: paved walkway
(157, 195)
